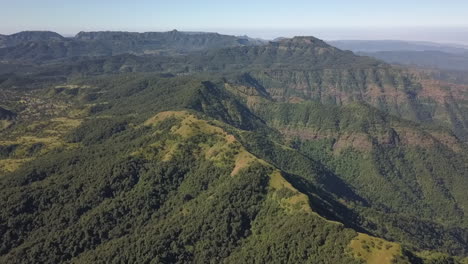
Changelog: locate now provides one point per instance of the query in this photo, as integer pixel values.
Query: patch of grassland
(35, 139)
(57, 126)
(289, 197)
(221, 147)
(72, 86)
(9, 165)
(373, 250)
(4, 124)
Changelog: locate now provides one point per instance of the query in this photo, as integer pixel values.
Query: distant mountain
(425, 59)
(304, 68)
(294, 53)
(420, 54)
(396, 45)
(28, 36)
(182, 41)
(107, 43)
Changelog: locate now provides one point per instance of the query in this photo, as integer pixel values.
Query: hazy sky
(444, 20)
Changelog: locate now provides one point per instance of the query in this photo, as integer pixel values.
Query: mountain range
(397, 45)
(182, 147)
(45, 46)
(451, 57)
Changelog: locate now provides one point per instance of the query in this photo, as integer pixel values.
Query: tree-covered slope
(288, 152)
(6, 114)
(301, 68)
(6, 117)
(200, 169)
(178, 189)
(410, 175)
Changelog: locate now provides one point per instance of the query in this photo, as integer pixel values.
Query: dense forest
(226, 150)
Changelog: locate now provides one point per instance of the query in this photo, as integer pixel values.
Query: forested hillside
(302, 68)
(286, 152)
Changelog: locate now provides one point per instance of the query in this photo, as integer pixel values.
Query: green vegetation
(375, 250)
(291, 152)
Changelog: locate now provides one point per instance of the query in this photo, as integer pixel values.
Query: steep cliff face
(304, 68)
(384, 167)
(394, 91)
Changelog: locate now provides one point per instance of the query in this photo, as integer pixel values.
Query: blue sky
(347, 18)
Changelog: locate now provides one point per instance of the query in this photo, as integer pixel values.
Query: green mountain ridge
(39, 47)
(394, 149)
(290, 152)
(305, 68)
